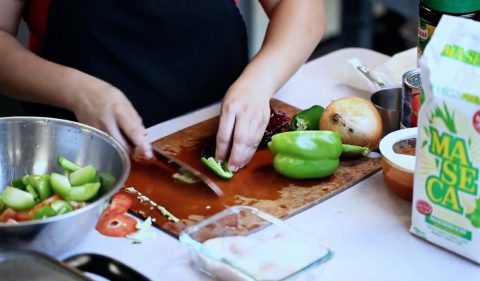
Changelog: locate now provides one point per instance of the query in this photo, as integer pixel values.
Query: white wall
(259, 21)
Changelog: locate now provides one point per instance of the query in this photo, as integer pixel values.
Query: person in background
(121, 65)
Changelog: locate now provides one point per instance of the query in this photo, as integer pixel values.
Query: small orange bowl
(398, 161)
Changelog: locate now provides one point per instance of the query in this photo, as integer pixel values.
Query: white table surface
(366, 226)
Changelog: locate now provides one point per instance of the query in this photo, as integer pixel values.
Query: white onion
(355, 119)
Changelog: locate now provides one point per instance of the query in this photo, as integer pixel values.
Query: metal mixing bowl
(30, 145)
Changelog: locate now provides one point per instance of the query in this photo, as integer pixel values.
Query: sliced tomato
(114, 222)
(27, 215)
(8, 214)
(120, 204)
(50, 199)
(120, 225)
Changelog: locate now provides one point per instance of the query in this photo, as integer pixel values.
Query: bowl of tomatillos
(55, 178)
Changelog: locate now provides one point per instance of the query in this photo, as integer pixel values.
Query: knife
(177, 163)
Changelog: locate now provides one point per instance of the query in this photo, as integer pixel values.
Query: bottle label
(425, 32)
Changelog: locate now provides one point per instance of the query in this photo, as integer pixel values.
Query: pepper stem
(348, 148)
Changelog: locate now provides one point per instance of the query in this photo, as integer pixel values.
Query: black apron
(169, 57)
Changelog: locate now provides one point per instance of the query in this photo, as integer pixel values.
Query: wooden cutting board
(256, 185)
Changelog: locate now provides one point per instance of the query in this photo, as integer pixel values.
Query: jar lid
(453, 6)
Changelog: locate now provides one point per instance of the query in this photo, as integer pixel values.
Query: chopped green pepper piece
(32, 191)
(25, 180)
(60, 184)
(309, 154)
(185, 176)
(220, 168)
(67, 164)
(84, 175)
(61, 207)
(308, 119)
(107, 179)
(18, 183)
(2, 205)
(18, 199)
(41, 183)
(44, 212)
(84, 192)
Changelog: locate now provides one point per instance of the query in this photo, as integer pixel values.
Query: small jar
(431, 11)
(398, 161)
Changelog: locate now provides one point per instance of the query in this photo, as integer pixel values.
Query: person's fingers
(132, 127)
(117, 116)
(111, 128)
(224, 134)
(245, 142)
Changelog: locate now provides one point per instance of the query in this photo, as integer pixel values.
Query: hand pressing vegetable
(308, 119)
(309, 154)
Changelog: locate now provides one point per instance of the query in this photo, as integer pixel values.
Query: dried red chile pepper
(279, 122)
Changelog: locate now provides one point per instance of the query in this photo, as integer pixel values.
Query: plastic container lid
(402, 161)
(453, 6)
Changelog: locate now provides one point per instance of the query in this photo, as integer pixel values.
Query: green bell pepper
(308, 119)
(41, 183)
(61, 207)
(34, 193)
(106, 179)
(309, 154)
(19, 183)
(2, 205)
(25, 182)
(44, 212)
(218, 167)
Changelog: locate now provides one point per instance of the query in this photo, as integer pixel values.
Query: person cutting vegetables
(121, 65)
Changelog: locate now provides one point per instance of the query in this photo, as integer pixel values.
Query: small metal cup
(389, 104)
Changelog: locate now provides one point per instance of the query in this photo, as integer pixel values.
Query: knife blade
(177, 163)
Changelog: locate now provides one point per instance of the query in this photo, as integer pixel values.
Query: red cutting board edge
(256, 185)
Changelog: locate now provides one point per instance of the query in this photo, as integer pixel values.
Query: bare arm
(294, 30)
(26, 76)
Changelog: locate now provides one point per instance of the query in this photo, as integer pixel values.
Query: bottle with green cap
(431, 11)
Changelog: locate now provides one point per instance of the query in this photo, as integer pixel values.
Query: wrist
(81, 89)
(260, 86)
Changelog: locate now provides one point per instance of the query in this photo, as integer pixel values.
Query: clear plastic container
(244, 244)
